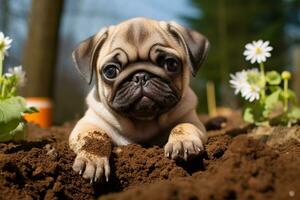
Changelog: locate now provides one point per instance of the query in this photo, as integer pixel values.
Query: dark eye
(172, 65)
(111, 70)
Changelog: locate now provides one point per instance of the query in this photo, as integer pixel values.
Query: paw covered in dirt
(185, 142)
(185, 149)
(91, 166)
(92, 160)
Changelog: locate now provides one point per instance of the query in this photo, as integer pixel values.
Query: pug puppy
(141, 95)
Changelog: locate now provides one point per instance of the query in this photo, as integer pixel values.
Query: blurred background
(45, 32)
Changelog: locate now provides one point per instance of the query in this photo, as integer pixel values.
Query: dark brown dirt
(247, 170)
(40, 170)
(134, 165)
(232, 167)
(216, 123)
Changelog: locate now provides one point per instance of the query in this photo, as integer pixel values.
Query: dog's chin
(144, 109)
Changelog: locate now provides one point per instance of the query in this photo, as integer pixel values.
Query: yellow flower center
(258, 51)
(2, 45)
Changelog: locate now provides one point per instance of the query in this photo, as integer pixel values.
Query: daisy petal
(249, 46)
(265, 44)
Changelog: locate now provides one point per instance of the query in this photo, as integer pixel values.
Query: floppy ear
(85, 54)
(196, 45)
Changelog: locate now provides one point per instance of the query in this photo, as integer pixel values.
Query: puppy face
(142, 66)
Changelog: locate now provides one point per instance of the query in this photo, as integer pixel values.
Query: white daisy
(246, 82)
(251, 92)
(4, 44)
(19, 73)
(258, 51)
(238, 81)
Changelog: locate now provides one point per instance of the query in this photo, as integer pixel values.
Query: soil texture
(233, 166)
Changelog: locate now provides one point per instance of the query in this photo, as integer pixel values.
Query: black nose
(141, 77)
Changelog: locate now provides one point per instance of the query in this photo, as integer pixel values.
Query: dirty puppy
(141, 93)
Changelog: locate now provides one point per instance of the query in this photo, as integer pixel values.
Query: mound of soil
(247, 170)
(232, 167)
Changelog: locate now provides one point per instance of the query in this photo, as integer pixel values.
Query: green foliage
(279, 106)
(253, 113)
(12, 107)
(11, 118)
(229, 25)
(289, 95)
(270, 101)
(291, 117)
(273, 78)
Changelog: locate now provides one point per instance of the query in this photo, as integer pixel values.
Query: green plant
(12, 107)
(269, 98)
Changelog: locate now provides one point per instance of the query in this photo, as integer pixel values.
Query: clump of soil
(248, 169)
(40, 170)
(134, 165)
(231, 167)
(216, 123)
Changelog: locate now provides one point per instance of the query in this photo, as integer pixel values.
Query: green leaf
(248, 115)
(253, 77)
(290, 117)
(31, 110)
(274, 88)
(12, 108)
(273, 78)
(290, 95)
(17, 134)
(5, 137)
(11, 115)
(294, 113)
(253, 113)
(272, 99)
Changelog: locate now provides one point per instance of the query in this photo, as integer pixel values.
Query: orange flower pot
(43, 118)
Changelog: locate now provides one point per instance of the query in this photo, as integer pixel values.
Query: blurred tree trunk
(41, 46)
(296, 76)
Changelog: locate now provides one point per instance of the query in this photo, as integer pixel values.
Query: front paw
(185, 142)
(91, 166)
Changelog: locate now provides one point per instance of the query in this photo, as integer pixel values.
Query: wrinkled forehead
(137, 38)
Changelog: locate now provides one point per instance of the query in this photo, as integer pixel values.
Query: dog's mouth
(145, 100)
(144, 108)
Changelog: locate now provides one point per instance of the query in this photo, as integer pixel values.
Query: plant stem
(263, 80)
(1, 63)
(12, 92)
(3, 88)
(1, 77)
(285, 88)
